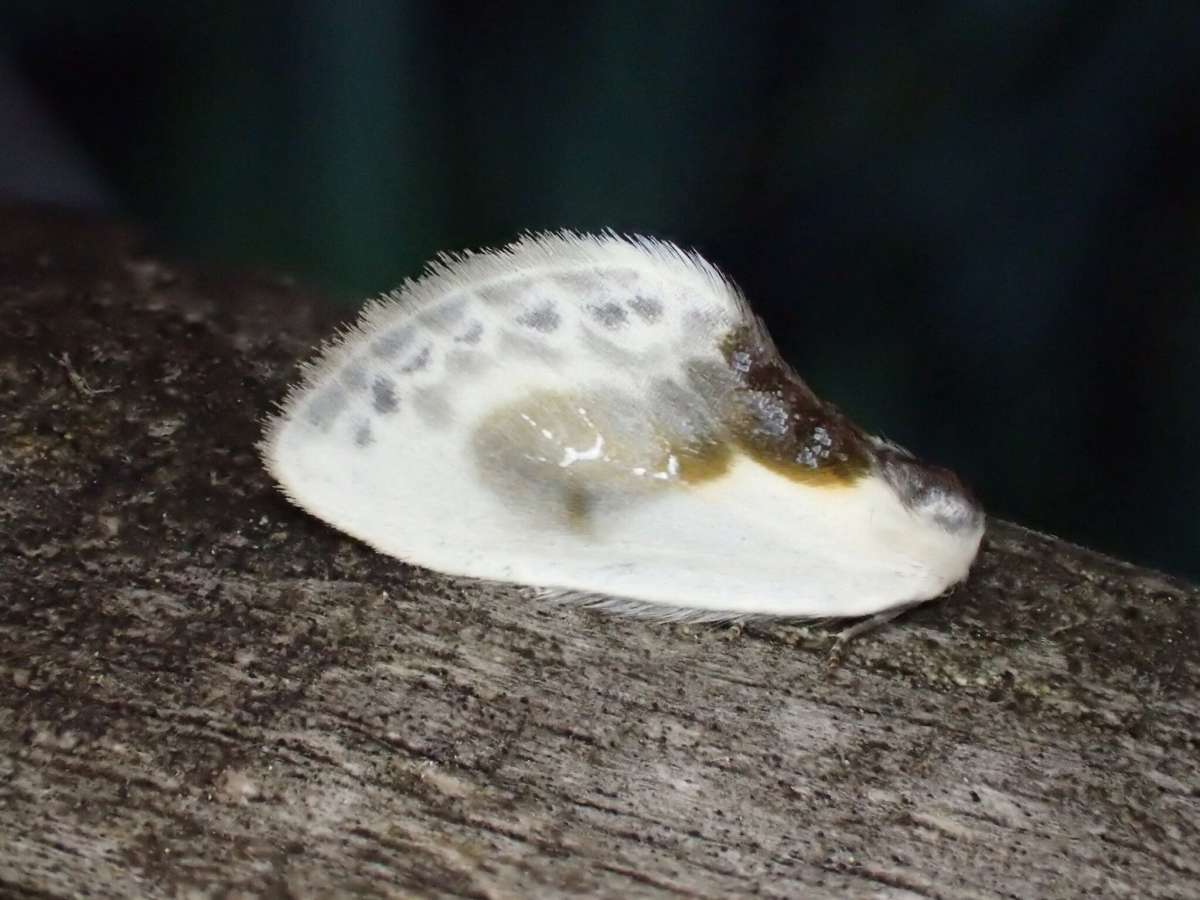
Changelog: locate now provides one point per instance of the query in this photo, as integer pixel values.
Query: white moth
(606, 419)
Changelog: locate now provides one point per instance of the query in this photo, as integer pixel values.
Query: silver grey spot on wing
(543, 318)
(741, 361)
(611, 315)
(325, 406)
(472, 335)
(816, 447)
(418, 361)
(770, 416)
(383, 395)
(362, 434)
(392, 341)
(648, 308)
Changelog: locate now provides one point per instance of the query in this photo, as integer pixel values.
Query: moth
(605, 419)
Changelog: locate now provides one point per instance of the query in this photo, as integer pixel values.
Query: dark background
(974, 226)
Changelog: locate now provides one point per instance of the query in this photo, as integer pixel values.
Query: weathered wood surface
(204, 692)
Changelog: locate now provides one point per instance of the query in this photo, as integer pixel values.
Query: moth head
(930, 492)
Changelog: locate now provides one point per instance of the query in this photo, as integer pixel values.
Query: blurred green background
(974, 226)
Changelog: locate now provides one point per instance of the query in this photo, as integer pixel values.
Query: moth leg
(846, 635)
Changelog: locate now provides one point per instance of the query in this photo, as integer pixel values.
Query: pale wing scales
(600, 416)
